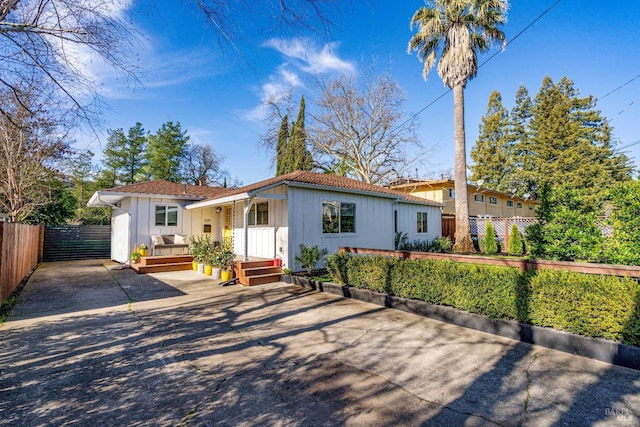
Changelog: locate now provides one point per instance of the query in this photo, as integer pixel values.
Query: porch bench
(168, 241)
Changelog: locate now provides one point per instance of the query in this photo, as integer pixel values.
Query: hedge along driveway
(591, 305)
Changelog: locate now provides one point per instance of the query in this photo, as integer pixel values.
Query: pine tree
(165, 151)
(113, 159)
(571, 144)
(135, 154)
(492, 154)
(520, 182)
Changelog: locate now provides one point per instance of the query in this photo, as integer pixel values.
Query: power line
(628, 145)
(619, 87)
(442, 95)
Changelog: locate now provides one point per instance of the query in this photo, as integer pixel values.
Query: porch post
(247, 208)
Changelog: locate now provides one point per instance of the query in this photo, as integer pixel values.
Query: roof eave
(218, 201)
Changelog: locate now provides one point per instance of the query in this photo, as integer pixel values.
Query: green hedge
(586, 304)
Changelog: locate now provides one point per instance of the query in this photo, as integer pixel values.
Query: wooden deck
(256, 271)
(160, 263)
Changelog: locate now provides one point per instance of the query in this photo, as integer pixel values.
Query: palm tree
(458, 30)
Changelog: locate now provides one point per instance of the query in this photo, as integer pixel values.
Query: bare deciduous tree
(52, 39)
(359, 129)
(31, 143)
(202, 166)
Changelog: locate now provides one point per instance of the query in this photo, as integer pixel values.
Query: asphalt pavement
(89, 346)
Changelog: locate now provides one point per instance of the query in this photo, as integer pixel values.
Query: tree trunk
(463, 232)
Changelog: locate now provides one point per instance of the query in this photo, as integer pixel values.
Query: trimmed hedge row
(586, 304)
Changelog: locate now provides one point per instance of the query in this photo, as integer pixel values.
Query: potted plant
(142, 250)
(208, 262)
(134, 257)
(216, 263)
(226, 258)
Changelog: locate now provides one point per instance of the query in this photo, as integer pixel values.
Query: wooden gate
(449, 227)
(73, 242)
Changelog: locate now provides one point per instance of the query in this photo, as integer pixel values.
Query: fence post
(506, 235)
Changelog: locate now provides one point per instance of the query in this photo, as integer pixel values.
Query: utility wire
(619, 87)
(442, 95)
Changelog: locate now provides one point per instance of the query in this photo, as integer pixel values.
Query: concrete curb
(594, 348)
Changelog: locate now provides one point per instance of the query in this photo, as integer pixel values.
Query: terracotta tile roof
(323, 180)
(167, 188)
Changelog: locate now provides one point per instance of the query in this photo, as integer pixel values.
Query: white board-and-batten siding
(374, 221)
(265, 241)
(408, 221)
(134, 223)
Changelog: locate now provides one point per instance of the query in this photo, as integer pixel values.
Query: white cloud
(281, 83)
(309, 57)
(301, 57)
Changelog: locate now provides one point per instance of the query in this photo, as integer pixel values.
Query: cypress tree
(282, 148)
(301, 158)
(291, 148)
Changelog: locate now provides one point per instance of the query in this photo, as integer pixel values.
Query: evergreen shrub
(516, 245)
(586, 304)
(490, 241)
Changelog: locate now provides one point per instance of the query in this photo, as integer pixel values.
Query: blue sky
(217, 97)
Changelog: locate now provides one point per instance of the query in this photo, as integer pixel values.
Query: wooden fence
(20, 252)
(74, 242)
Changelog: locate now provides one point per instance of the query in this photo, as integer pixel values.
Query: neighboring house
(482, 201)
(272, 218)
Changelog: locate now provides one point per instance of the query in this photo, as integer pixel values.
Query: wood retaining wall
(521, 263)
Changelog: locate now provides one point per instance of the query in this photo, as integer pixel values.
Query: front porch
(255, 271)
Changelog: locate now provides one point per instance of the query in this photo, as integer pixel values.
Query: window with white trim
(493, 200)
(422, 222)
(509, 203)
(519, 205)
(259, 214)
(166, 215)
(338, 217)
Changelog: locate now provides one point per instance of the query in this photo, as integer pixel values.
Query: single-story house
(271, 218)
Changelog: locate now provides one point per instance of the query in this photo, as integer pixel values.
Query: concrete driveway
(88, 346)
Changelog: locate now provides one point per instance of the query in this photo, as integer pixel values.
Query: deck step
(260, 279)
(254, 264)
(165, 259)
(258, 271)
(158, 268)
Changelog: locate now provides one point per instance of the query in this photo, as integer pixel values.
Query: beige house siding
(439, 191)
